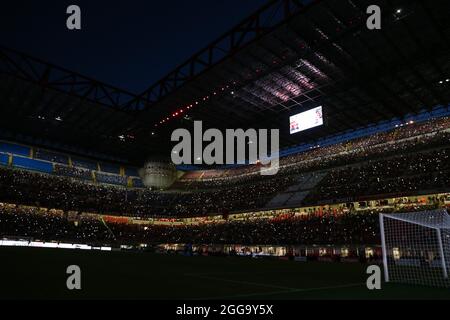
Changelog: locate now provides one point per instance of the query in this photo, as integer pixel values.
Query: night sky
(130, 44)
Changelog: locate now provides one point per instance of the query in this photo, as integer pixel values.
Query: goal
(416, 247)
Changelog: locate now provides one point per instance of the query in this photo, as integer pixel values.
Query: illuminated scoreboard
(306, 120)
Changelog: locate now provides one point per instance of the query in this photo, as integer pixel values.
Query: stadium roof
(289, 56)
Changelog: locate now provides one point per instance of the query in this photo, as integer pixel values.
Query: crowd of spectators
(409, 137)
(326, 227)
(407, 173)
(111, 179)
(19, 186)
(34, 224)
(382, 164)
(73, 172)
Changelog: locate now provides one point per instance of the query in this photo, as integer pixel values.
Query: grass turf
(35, 273)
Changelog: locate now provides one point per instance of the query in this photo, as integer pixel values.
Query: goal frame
(436, 228)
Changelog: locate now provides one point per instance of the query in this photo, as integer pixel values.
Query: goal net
(416, 247)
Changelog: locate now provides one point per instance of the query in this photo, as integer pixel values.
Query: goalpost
(416, 247)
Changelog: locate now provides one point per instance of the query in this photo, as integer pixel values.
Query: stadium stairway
(295, 194)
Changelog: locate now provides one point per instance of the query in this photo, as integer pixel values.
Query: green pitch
(41, 273)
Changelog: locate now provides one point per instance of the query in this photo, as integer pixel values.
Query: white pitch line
(241, 282)
(351, 285)
(284, 289)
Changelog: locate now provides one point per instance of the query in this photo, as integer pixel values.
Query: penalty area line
(287, 290)
(242, 282)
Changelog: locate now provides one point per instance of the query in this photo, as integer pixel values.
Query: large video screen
(306, 120)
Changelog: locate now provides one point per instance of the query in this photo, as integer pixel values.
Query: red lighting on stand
(190, 106)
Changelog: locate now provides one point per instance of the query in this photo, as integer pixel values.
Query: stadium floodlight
(416, 247)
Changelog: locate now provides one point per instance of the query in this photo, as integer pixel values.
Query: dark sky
(129, 44)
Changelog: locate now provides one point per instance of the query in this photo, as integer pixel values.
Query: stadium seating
(4, 159)
(131, 172)
(12, 148)
(110, 179)
(46, 161)
(51, 156)
(407, 173)
(72, 172)
(83, 163)
(324, 227)
(32, 164)
(110, 168)
(137, 183)
(408, 160)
